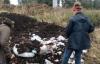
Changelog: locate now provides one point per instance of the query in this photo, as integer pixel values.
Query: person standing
(5, 30)
(77, 33)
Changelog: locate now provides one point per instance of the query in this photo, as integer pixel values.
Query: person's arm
(5, 33)
(68, 29)
(91, 26)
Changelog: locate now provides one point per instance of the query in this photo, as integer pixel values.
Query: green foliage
(49, 2)
(95, 16)
(27, 1)
(6, 1)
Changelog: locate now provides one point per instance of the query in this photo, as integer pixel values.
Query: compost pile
(24, 28)
(25, 25)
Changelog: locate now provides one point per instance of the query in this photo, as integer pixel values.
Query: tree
(48, 2)
(27, 1)
(6, 2)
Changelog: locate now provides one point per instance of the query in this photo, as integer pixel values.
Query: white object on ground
(54, 46)
(56, 60)
(43, 49)
(72, 55)
(25, 54)
(59, 52)
(52, 38)
(85, 51)
(59, 38)
(36, 37)
(48, 62)
(60, 43)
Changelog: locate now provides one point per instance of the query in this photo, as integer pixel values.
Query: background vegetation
(66, 3)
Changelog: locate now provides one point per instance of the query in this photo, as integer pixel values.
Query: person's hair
(7, 21)
(77, 3)
(77, 6)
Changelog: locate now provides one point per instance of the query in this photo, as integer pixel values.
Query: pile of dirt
(25, 26)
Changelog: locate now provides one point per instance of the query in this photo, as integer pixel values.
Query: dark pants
(2, 57)
(67, 54)
(5, 53)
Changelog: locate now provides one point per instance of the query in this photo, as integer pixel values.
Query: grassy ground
(93, 57)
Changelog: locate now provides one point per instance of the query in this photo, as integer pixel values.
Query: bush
(95, 16)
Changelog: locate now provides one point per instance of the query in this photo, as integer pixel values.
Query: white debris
(56, 60)
(48, 47)
(72, 55)
(34, 51)
(60, 43)
(71, 61)
(60, 38)
(43, 49)
(82, 60)
(54, 46)
(48, 62)
(15, 49)
(59, 52)
(36, 37)
(52, 38)
(85, 51)
(25, 54)
(48, 42)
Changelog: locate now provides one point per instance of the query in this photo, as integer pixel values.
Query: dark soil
(25, 26)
